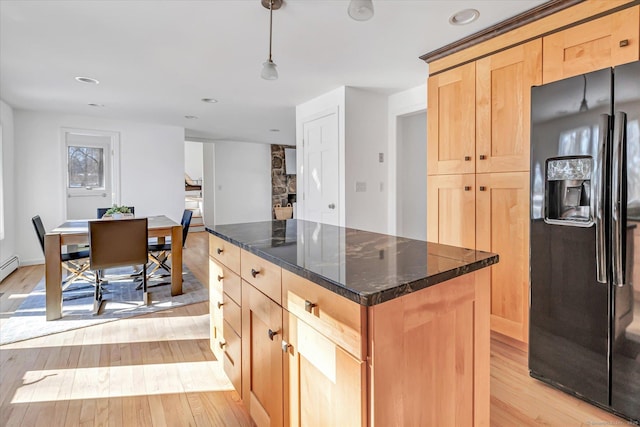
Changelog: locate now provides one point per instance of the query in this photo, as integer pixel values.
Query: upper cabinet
(503, 107)
(600, 43)
(451, 127)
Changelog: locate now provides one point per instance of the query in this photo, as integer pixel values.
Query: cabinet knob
(219, 251)
(272, 334)
(332, 206)
(467, 158)
(483, 188)
(483, 157)
(221, 344)
(285, 346)
(254, 272)
(308, 306)
(467, 188)
(220, 278)
(624, 43)
(220, 304)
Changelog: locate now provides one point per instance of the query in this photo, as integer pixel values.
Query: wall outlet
(361, 187)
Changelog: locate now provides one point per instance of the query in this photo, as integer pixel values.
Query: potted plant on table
(117, 212)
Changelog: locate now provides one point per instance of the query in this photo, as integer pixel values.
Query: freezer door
(625, 375)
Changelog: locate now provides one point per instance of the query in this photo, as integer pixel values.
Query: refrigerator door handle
(618, 223)
(599, 188)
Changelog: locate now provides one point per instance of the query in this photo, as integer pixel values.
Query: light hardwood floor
(158, 370)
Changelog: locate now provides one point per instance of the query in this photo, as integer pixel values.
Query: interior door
(90, 165)
(321, 169)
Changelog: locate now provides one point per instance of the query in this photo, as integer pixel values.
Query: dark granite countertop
(365, 267)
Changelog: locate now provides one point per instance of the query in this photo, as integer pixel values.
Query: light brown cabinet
(224, 307)
(451, 218)
(502, 227)
(488, 209)
(604, 42)
(451, 125)
(503, 107)
(262, 357)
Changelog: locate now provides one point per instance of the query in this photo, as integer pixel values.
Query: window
(86, 167)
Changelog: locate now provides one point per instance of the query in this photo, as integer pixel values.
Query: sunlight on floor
(121, 381)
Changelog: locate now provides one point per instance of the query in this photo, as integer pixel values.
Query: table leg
(176, 260)
(53, 276)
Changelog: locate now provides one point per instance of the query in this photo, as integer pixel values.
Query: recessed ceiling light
(96, 105)
(209, 100)
(191, 117)
(87, 80)
(274, 130)
(464, 17)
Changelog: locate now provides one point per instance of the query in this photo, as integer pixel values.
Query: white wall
(151, 170)
(242, 182)
(400, 104)
(208, 184)
(8, 244)
(412, 176)
(193, 159)
(366, 138)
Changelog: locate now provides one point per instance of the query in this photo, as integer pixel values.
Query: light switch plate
(361, 187)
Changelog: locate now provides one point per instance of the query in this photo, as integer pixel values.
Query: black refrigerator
(585, 237)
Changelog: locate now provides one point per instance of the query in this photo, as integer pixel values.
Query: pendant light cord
(270, 26)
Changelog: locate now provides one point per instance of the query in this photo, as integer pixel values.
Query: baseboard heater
(8, 267)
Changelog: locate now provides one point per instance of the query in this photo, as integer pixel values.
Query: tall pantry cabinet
(478, 170)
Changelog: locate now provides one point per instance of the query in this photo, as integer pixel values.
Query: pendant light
(269, 71)
(361, 10)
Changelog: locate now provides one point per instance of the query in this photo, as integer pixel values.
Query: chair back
(40, 231)
(117, 243)
(101, 211)
(186, 222)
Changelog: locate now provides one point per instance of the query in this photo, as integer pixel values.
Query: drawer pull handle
(483, 157)
(467, 188)
(272, 334)
(220, 304)
(254, 272)
(285, 346)
(624, 43)
(220, 278)
(483, 188)
(222, 344)
(308, 306)
(219, 251)
(467, 158)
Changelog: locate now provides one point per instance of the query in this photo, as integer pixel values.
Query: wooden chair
(160, 254)
(115, 244)
(76, 263)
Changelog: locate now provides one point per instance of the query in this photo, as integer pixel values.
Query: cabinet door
(601, 43)
(262, 357)
(503, 107)
(502, 215)
(451, 132)
(215, 308)
(451, 218)
(326, 385)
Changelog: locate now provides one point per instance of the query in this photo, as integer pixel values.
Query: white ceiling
(156, 60)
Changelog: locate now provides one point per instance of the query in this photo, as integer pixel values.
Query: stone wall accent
(283, 186)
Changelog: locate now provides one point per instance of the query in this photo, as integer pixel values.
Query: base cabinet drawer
(225, 252)
(263, 275)
(232, 314)
(231, 361)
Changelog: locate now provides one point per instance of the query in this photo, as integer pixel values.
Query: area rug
(121, 300)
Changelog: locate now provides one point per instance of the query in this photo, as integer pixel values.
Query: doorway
(411, 182)
(92, 171)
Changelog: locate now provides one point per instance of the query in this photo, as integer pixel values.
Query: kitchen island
(324, 325)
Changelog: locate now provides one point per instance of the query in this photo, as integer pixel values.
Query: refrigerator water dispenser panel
(568, 191)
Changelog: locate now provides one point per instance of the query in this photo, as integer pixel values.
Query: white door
(321, 169)
(90, 166)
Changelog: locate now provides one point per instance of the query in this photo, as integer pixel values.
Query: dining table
(76, 232)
